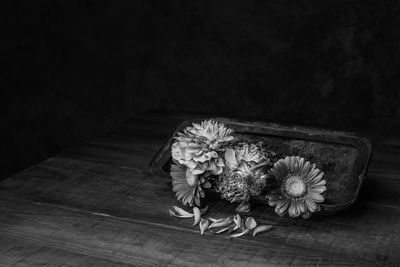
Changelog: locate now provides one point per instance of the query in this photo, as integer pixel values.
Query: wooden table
(98, 205)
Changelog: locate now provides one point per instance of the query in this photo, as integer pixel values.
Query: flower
(197, 147)
(186, 185)
(300, 186)
(243, 152)
(245, 173)
(245, 181)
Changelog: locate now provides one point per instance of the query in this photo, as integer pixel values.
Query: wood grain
(97, 204)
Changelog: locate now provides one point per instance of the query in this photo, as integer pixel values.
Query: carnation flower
(197, 147)
(243, 152)
(300, 187)
(242, 183)
(245, 173)
(186, 185)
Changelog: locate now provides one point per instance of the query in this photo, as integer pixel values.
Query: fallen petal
(203, 225)
(182, 212)
(238, 221)
(261, 228)
(250, 223)
(219, 220)
(222, 223)
(171, 213)
(196, 213)
(244, 232)
(220, 231)
(204, 210)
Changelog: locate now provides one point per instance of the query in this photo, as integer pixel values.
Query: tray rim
(362, 145)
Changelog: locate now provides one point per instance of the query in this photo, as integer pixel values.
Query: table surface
(98, 204)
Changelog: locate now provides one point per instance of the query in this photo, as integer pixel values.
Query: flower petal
(282, 210)
(220, 224)
(182, 212)
(244, 232)
(312, 206)
(317, 177)
(261, 228)
(292, 209)
(250, 223)
(319, 189)
(302, 206)
(220, 231)
(316, 197)
(197, 214)
(171, 213)
(230, 159)
(203, 225)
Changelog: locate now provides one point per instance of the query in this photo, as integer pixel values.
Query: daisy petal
(316, 197)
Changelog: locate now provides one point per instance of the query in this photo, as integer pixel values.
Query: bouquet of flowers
(208, 155)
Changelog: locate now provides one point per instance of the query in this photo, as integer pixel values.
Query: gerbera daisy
(197, 147)
(300, 186)
(186, 185)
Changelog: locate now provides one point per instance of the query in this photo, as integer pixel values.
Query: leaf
(203, 225)
(197, 215)
(204, 210)
(261, 228)
(244, 232)
(250, 223)
(183, 213)
(220, 231)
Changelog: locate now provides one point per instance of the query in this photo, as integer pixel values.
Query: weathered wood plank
(133, 241)
(24, 252)
(50, 210)
(366, 230)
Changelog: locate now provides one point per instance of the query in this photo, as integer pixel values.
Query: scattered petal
(219, 220)
(222, 223)
(244, 232)
(261, 228)
(238, 222)
(250, 223)
(220, 231)
(183, 212)
(203, 225)
(171, 213)
(204, 210)
(197, 214)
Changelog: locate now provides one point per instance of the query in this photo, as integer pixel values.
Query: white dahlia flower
(197, 146)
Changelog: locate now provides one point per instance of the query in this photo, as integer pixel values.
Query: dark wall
(72, 69)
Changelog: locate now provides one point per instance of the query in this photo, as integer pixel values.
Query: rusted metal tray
(344, 157)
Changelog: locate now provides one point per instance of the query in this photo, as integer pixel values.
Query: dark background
(72, 69)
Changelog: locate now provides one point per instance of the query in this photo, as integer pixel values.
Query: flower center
(294, 186)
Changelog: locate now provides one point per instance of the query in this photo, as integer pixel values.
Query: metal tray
(344, 157)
